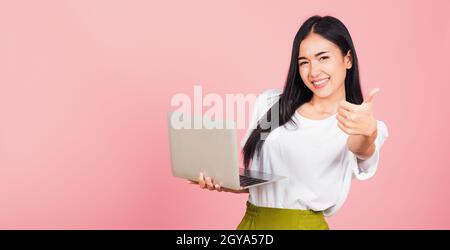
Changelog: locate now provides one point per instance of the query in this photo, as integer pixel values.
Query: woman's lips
(321, 83)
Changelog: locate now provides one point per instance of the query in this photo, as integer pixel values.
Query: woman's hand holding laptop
(206, 182)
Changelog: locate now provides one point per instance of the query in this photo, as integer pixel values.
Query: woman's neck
(328, 105)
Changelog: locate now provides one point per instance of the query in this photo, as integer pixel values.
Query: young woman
(326, 134)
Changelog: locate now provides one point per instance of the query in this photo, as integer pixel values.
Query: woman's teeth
(320, 82)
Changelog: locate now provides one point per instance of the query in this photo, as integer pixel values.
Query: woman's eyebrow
(316, 55)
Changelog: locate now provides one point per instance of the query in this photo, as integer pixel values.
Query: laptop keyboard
(248, 181)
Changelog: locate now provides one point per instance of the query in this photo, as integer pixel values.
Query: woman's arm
(362, 146)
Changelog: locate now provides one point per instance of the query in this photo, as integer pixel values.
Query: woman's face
(322, 66)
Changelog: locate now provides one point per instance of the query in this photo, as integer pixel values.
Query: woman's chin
(322, 94)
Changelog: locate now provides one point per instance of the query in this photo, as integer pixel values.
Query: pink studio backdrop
(85, 87)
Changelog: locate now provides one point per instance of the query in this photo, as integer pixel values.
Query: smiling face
(322, 66)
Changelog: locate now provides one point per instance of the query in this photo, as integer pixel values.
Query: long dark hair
(295, 92)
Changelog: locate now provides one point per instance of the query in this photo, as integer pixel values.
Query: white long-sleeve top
(314, 157)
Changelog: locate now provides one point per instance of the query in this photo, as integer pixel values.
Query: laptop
(211, 150)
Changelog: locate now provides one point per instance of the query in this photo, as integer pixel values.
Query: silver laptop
(211, 150)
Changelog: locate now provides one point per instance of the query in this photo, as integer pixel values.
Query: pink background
(85, 87)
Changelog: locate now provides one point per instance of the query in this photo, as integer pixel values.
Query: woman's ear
(348, 60)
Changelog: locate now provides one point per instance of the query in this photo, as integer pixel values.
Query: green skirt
(268, 218)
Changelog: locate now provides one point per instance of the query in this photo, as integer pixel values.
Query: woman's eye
(301, 63)
(324, 57)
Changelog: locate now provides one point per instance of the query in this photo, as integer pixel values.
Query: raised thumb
(371, 94)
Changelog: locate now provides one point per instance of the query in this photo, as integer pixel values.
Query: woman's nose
(315, 69)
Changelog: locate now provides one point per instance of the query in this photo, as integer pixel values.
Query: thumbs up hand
(358, 119)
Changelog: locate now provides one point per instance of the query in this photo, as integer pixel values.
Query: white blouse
(314, 157)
